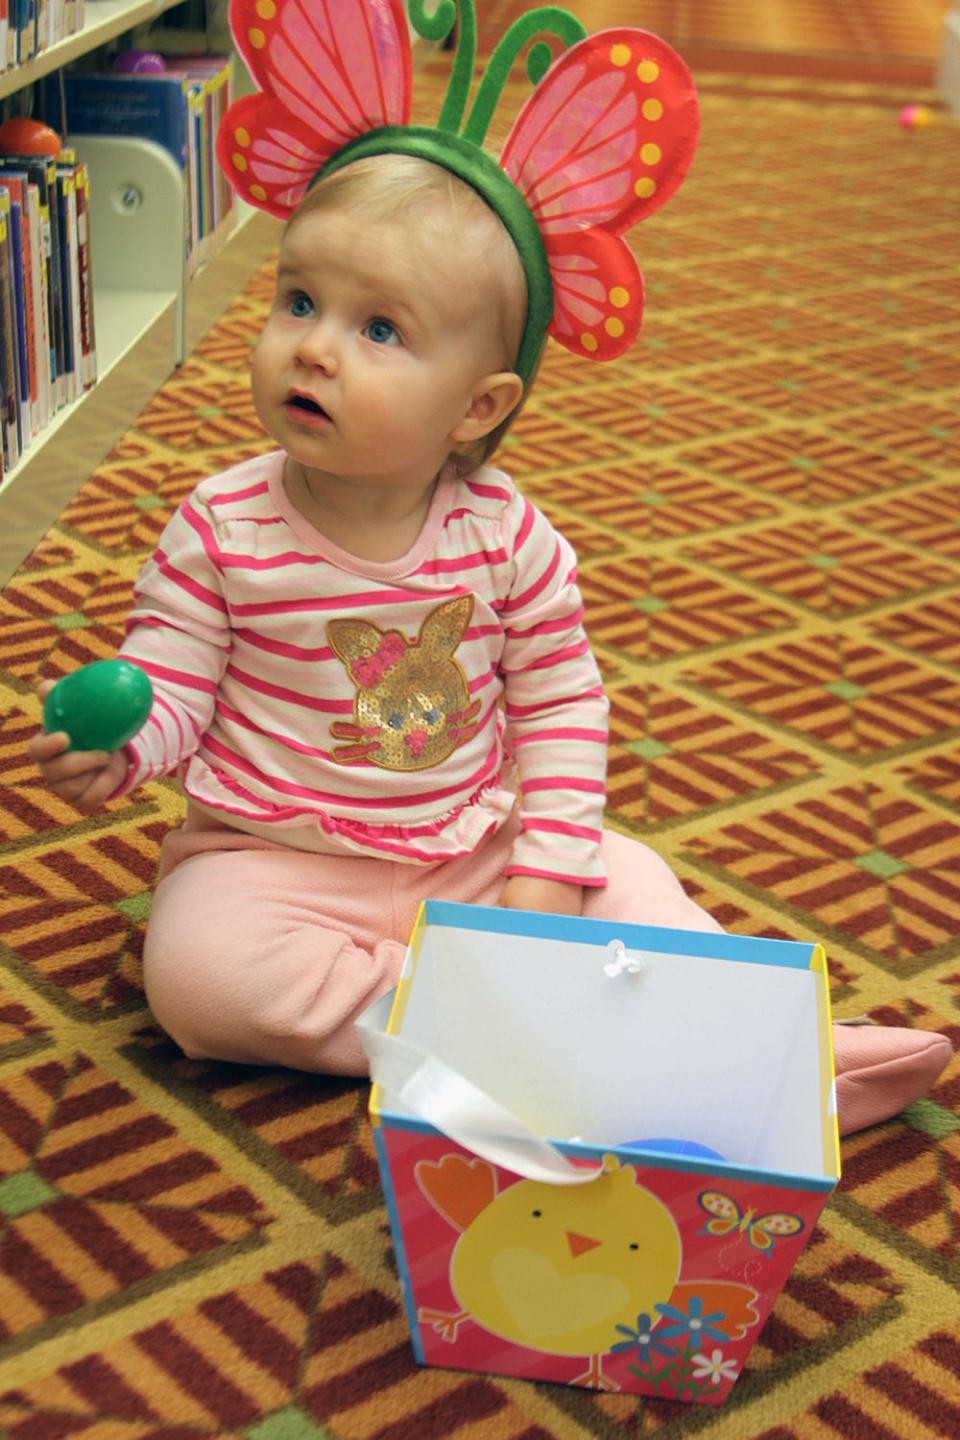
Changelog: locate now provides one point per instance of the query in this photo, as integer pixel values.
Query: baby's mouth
(307, 406)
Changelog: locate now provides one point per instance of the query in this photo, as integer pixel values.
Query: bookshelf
(147, 314)
(104, 20)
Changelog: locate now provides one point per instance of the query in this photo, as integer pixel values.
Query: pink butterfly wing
(329, 72)
(607, 136)
(605, 139)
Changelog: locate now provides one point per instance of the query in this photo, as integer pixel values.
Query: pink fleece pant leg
(260, 955)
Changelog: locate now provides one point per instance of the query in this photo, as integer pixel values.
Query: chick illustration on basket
(558, 1269)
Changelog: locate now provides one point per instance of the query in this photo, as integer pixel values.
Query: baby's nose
(318, 345)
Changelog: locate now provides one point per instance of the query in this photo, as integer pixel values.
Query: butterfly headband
(604, 140)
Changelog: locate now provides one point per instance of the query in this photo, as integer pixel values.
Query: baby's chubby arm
(179, 634)
(535, 892)
(556, 714)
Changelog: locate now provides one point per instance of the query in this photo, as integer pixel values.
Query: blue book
(150, 107)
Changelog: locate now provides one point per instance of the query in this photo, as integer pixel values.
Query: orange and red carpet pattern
(883, 40)
(764, 498)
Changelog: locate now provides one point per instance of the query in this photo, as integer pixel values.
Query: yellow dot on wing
(648, 71)
(589, 342)
(614, 326)
(242, 136)
(652, 109)
(266, 9)
(239, 162)
(619, 297)
(645, 188)
(620, 55)
(258, 192)
(257, 39)
(650, 154)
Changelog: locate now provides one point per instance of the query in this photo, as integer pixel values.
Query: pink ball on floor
(914, 117)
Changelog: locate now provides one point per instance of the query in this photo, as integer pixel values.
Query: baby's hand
(532, 892)
(84, 778)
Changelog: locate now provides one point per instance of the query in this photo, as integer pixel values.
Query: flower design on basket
(603, 141)
(692, 1323)
(713, 1368)
(642, 1340)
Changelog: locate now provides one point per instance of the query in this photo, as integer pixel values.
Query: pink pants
(266, 955)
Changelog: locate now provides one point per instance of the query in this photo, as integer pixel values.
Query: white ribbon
(437, 1094)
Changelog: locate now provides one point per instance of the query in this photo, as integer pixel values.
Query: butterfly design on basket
(603, 141)
(762, 1231)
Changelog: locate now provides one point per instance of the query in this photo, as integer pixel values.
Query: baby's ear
(494, 396)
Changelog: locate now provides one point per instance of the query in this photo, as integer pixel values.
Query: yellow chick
(550, 1267)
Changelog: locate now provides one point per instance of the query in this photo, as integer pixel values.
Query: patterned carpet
(765, 504)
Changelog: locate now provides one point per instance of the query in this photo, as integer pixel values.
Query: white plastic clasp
(621, 961)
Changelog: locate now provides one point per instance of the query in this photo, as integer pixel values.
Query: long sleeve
(556, 709)
(178, 633)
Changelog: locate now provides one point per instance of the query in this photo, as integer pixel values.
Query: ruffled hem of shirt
(456, 833)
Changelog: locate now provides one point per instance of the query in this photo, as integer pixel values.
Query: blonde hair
(395, 187)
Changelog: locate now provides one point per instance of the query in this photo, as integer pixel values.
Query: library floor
(764, 500)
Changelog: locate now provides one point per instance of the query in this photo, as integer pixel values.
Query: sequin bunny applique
(412, 708)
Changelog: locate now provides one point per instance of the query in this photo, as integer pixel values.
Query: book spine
(39, 308)
(75, 303)
(26, 300)
(24, 406)
(56, 291)
(85, 275)
(8, 344)
(63, 262)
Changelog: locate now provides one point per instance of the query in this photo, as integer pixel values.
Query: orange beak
(580, 1244)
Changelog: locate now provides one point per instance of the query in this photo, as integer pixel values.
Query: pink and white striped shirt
(381, 708)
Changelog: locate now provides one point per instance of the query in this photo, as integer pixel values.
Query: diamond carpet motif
(839, 692)
(763, 497)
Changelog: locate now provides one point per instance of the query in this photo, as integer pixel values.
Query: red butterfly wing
(328, 72)
(597, 294)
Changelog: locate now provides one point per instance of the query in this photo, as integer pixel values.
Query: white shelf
(104, 20)
(137, 332)
(122, 318)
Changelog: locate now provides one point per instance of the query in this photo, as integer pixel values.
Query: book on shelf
(28, 27)
(12, 193)
(179, 109)
(88, 331)
(47, 332)
(9, 379)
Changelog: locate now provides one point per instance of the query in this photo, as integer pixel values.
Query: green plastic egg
(100, 706)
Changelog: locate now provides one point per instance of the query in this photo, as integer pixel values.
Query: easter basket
(602, 1147)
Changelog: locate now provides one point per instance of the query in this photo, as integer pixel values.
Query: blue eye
(300, 306)
(381, 332)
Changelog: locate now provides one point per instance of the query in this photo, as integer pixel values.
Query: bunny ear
(597, 294)
(607, 136)
(328, 73)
